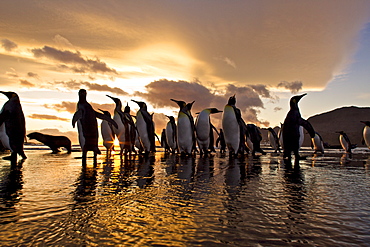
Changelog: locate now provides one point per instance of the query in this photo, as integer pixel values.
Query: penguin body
(231, 126)
(366, 133)
(171, 134)
(12, 126)
(317, 143)
(185, 128)
(345, 142)
(273, 139)
(255, 137)
(107, 132)
(85, 116)
(145, 127)
(204, 130)
(291, 131)
(221, 140)
(164, 143)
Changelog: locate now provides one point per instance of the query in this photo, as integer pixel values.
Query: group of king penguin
(182, 137)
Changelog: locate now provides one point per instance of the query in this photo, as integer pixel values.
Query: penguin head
(189, 105)
(367, 123)
(82, 94)
(116, 100)
(295, 99)
(171, 118)
(127, 109)
(214, 110)
(232, 100)
(141, 104)
(10, 95)
(107, 113)
(180, 103)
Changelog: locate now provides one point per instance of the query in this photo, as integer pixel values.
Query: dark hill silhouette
(344, 118)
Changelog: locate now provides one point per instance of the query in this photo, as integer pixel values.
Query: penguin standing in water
(291, 129)
(125, 132)
(171, 134)
(234, 127)
(107, 132)
(164, 143)
(256, 138)
(185, 128)
(87, 126)
(366, 133)
(204, 130)
(12, 126)
(317, 143)
(273, 139)
(145, 127)
(221, 140)
(345, 142)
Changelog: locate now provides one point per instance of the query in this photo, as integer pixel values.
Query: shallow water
(167, 200)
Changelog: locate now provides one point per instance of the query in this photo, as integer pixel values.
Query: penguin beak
(301, 96)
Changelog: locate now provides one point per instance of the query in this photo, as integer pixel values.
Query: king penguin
(233, 126)
(12, 126)
(291, 129)
(87, 126)
(273, 139)
(366, 133)
(204, 130)
(125, 132)
(145, 127)
(185, 128)
(107, 132)
(317, 143)
(345, 142)
(171, 134)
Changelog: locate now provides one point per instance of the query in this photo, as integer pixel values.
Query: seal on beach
(12, 126)
(53, 142)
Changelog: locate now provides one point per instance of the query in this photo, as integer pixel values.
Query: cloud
(48, 117)
(25, 83)
(293, 87)
(160, 92)
(76, 85)
(31, 74)
(61, 41)
(8, 45)
(71, 106)
(81, 64)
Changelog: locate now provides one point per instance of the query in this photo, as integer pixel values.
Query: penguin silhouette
(107, 132)
(87, 126)
(185, 128)
(204, 129)
(345, 142)
(12, 126)
(145, 127)
(256, 138)
(291, 129)
(274, 140)
(171, 134)
(366, 133)
(164, 143)
(221, 140)
(125, 132)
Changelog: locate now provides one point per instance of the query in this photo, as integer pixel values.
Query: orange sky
(264, 51)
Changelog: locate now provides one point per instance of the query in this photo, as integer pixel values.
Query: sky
(263, 51)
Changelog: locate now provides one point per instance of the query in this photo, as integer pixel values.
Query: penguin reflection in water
(12, 126)
(204, 130)
(291, 129)
(87, 126)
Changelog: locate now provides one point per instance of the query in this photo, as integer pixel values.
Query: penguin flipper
(3, 117)
(307, 125)
(77, 116)
(106, 118)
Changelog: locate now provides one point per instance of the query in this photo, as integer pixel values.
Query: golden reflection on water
(170, 200)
